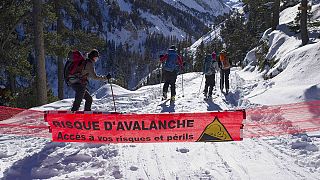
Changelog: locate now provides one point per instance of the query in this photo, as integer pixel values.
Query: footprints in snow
(116, 173)
(182, 150)
(134, 168)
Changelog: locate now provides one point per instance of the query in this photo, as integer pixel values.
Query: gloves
(108, 76)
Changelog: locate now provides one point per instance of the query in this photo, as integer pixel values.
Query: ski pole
(182, 85)
(201, 84)
(114, 102)
(160, 67)
(216, 79)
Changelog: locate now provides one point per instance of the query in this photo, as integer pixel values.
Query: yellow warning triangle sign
(215, 132)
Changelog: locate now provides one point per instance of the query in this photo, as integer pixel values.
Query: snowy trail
(224, 160)
(260, 158)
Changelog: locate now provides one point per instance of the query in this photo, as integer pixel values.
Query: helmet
(93, 53)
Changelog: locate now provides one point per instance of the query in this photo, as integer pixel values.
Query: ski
(163, 102)
(213, 96)
(210, 98)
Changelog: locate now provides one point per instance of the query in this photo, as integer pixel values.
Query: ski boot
(206, 97)
(172, 99)
(164, 96)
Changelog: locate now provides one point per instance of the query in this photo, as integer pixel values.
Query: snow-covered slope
(153, 19)
(206, 39)
(205, 10)
(295, 76)
(233, 3)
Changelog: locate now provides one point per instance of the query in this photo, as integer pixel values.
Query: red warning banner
(8, 112)
(98, 127)
(282, 119)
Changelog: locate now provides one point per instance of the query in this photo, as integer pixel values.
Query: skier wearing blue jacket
(172, 64)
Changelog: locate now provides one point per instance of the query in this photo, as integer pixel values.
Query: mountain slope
(135, 33)
(206, 10)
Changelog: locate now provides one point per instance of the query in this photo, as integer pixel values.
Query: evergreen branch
(21, 20)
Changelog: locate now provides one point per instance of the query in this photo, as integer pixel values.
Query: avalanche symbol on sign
(215, 132)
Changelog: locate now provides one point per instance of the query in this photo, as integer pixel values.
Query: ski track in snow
(29, 158)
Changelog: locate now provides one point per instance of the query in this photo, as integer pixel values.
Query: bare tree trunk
(303, 22)
(39, 53)
(59, 58)
(276, 16)
(60, 78)
(12, 82)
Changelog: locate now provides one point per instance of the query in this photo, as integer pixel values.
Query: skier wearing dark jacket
(172, 64)
(210, 67)
(80, 87)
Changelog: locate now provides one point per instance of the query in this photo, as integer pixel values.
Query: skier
(172, 64)
(210, 67)
(225, 66)
(80, 86)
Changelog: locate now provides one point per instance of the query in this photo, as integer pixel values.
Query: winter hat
(173, 47)
(93, 53)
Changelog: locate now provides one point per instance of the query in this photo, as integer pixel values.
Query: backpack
(73, 68)
(224, 61)
(208, 65)
(171, 63)
(214, 56)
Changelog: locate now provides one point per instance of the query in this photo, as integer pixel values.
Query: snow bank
(294, 77)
